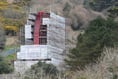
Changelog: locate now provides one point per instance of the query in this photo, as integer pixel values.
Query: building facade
(44, 41)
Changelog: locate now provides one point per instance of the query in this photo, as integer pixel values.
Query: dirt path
(13, 40)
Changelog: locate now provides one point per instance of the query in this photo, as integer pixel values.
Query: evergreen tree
(100, 5)
(99, 34)
(2, 38)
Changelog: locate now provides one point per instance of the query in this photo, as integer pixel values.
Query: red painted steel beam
(37, 26)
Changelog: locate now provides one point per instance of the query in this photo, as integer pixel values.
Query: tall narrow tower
(44, 40)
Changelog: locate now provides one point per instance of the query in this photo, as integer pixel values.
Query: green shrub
(5, 68)
(47, 68)
(41, 69)
(99, 34)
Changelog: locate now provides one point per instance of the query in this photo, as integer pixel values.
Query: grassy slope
(11, 15)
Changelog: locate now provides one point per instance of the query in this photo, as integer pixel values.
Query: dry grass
(107, 68)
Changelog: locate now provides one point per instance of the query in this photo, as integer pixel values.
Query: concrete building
(44, 40)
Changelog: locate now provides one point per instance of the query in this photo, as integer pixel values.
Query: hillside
(12, 17)
(91, 26)
(77, 12)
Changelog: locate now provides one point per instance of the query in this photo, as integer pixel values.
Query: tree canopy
(99, 34)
